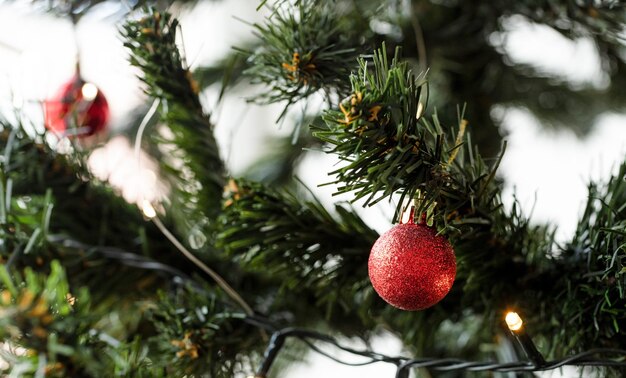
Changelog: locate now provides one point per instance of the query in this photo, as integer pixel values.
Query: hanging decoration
(412, 267)
(78, 109)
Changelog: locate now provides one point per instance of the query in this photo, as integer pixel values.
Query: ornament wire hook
(411, 210)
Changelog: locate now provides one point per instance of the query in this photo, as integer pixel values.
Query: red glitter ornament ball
(411, 267)
(78, 109)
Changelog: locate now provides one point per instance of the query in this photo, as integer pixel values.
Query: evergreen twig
(305, 48)
(152, 42)
(300, 242)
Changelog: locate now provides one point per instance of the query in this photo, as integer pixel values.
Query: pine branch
(84, 206)
(294, 250)
(466, 67)
(152, 42)
(312, 255)
(24, 221)
(109, 258)
(593, 278)
(298, 242)
(109, 271)
(206, 338)
(388, 151)
(54, 209)
(304, 48)
(64, 336)
(41, 315)
(64, 331)
(376, 131)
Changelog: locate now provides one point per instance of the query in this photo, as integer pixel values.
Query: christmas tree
(230, 275)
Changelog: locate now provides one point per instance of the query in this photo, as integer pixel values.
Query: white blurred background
(547, 170)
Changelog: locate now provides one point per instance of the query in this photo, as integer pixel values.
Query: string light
(404, 364)
(513, 321)
(277, 341)
(515, 324)
(150, 213)
(147, 209)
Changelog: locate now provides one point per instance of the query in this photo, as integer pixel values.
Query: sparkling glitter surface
(411, 267)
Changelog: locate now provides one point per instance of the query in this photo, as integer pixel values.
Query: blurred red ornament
(411, 267)
(78, 109)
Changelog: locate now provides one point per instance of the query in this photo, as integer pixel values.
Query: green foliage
(501, 257)
(131, 359)
(35, 304)
(593, 282)
(36, 172)
(24, 221)
(376, 131)
(58, 332)
(55, 210)
(310, 255)
(40, 314)
(299, 242)
(388, 148)
(198, 334)
(193, 166)
(468, 66)
(293, 260)
(304, 48)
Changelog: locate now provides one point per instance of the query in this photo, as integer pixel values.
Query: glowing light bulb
(513, 321)
(89, 91)
(148, 210)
